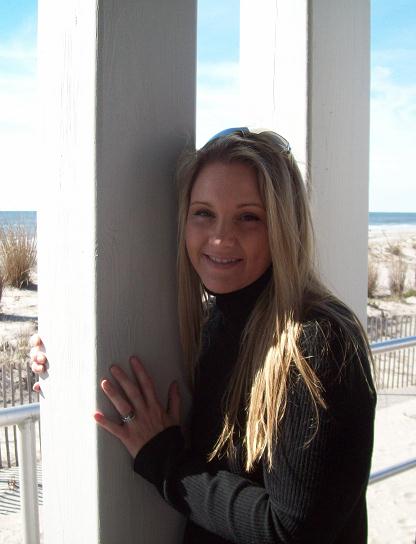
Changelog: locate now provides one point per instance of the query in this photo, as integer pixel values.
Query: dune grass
(18, 254)
(397, 276)
(372, 281)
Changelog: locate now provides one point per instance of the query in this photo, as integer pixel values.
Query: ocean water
(376, 220)
(386, 220)
(14, 219)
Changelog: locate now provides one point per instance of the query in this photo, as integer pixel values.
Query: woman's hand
(144, 416)
(38, 358)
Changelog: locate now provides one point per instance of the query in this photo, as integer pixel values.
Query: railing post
(28, 482)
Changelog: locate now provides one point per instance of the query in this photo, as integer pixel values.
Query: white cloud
(18, 113)
(218, 99)
(17, 102)
(392, 143)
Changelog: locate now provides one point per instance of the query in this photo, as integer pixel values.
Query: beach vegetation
(15, 350)
(397, 276)
(395, 249)
(18, 255)
(409, 293)
(15, 374)
(372, 282)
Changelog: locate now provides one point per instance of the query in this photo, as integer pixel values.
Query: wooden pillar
(117, 90)
(305, 72)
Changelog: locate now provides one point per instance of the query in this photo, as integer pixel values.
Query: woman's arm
(317, 484)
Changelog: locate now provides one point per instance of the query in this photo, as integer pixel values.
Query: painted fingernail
(105, 385)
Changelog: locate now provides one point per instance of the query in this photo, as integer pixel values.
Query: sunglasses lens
(282, 143)
(242, 130)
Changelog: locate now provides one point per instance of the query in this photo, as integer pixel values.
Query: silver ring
(129, 417)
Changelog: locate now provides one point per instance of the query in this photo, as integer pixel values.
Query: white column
(305, 73)
(117, 91)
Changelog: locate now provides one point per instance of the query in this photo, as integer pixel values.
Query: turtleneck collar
(237, 305)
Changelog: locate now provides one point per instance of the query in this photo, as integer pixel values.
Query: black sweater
(315, 492)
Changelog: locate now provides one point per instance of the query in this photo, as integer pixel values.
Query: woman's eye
(202, 213)
(249, 217)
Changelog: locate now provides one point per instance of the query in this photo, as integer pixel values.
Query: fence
(395, 368)
(16, 382)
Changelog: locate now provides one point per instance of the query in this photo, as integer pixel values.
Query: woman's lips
(222, 262)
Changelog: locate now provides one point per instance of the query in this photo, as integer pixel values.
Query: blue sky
(393, 106)
(393, 95)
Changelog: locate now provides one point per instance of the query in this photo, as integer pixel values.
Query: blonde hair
(271, 342)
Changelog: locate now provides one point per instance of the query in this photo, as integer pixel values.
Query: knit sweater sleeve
(319, 474)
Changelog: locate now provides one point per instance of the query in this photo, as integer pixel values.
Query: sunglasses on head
(245, 132)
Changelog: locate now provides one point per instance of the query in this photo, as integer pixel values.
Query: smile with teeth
(219, 260)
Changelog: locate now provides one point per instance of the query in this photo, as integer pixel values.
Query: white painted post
(117, 89)
(305, 73)
(28, 481)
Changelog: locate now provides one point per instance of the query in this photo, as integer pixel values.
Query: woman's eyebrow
(200, 203)
(255, 204)
(242, 205)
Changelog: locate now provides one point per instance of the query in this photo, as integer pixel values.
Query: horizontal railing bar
(391, 471)
(14, 415)
(392, 345)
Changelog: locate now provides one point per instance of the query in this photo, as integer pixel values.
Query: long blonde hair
(271, 342)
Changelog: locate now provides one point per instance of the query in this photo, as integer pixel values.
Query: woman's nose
(222, 234)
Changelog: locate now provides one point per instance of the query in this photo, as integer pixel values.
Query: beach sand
(382, 246)
(392, 502)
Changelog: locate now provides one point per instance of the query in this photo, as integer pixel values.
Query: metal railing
(384, 347)
(25, 417)
(396, 368)
(16, 382)
(388, 472)
(392, 345)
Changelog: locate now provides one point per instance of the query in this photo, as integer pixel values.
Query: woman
(283, 405)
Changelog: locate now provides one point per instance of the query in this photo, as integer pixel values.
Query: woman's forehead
(225, 179)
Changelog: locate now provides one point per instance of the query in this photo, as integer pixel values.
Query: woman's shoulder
(330, 323)
(334, 342)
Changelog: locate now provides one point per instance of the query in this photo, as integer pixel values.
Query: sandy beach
(392, 502)
(385, 248)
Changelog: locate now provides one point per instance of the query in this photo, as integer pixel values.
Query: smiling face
(226, 232)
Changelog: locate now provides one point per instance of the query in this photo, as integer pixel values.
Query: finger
(145, 381)
(119, 402)
(38, 356)
(36, 387)
(129, 387)
(119, 431)
(38, 369)
(113, 428)
(174, 403)
(35, 340)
